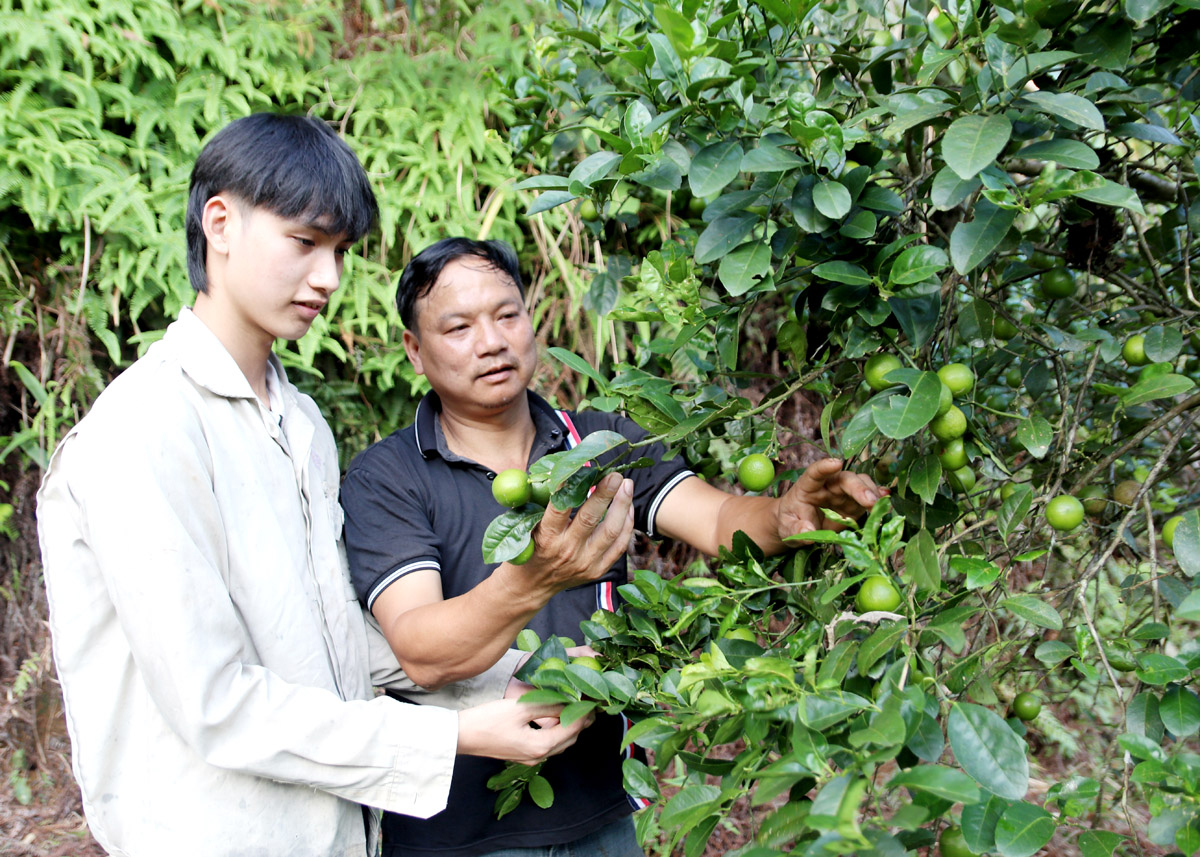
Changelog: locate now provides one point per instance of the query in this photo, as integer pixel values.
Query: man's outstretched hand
(825, 485)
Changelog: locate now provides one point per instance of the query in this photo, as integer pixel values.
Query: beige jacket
(216, 665)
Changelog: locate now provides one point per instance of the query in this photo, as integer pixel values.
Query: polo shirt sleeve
(652, 484)
(387, 529)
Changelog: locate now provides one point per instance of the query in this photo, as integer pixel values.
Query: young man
(417, 504)
(216, 666)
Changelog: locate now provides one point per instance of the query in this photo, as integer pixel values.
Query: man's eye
(307, 242)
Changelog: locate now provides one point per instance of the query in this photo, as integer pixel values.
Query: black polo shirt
(412, 504)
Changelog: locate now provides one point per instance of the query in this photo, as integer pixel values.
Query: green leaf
(1064, 152)
(924, 476)
(973, 241)
(1098, 843)
(592, 446)
(1033, 610)
(744, 268)
(946, 783)
(917, 264)
(881, 641)
(689, 806)
(988, 750)
(714, 167)
(547, 200)
(832, 199)
(979, 822)
(948, 189)
(638, 780)
(594, 167)
(580, 365)
(1053, 652)
(1030, 65)
(541, 792)
(1160, 670)
(973, 142)
(921, 562)
(1036, 435)
(843, 272)
(772, 159)
(1112, 194)
(721, 236)
(668, 61)
(1063, 105)
(1141, 11)
(1186, 544)
(904, 416)
(859, 432)
(918, 317)
(508, 534)
(1163, 343)
(1158, 387)
(1179, 709)
(1023, 830)
(1013, 510)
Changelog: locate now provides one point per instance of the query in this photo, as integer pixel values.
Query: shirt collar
(431, 440)
(205, 360)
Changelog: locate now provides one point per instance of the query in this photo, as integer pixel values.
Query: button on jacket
(214, 659)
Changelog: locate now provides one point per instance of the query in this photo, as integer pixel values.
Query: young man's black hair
(321, 180)
(422, 273)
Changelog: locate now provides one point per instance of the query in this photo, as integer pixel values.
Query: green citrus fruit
(1002, 328)
(740, 633)
(1007, 489)
(953, 455)
(1058, 283)
(949, 425)
(1094, 499)
(588, 661)
(756, 472)
(511, 488)
(1168, 530)
(524, 556)
(1013, 377)
(539, 492)
(952, 843)
(1126, 491)
(1134, 350)
(958, 377)
(877, 593)
(1064, 512)
(552, 664)
(962, 479)
(587, 210)
(1121, 656)
(1026, 705)
(945, 400)
(877, 368)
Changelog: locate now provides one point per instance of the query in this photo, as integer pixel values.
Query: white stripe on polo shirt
(394, 575)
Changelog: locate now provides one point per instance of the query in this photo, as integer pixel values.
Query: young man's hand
(572, 551)
(516, 732)
(824, 485)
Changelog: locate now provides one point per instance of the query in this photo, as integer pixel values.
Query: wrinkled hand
(572, 551)
(824, 485)
(516, 732)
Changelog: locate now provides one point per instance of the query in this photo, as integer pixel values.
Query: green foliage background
(724, 207)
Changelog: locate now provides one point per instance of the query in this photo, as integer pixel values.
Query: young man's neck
(250, 349)
(499, 441)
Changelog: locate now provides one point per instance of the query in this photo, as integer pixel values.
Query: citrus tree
(966, 231)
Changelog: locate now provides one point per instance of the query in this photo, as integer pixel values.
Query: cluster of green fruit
(949, 426)
(512, 488)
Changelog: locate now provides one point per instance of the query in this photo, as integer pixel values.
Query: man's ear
(217, 218)
(412, 347)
